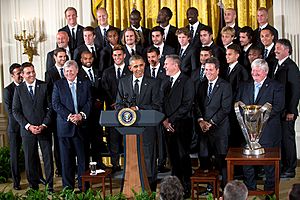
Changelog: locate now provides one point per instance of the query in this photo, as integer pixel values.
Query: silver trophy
(252, 121)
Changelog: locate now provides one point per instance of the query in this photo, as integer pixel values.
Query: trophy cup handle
(266, 108)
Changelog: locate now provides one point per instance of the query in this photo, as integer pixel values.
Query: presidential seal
(126, 116)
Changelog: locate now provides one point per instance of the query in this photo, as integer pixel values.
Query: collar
(208, 45)
(213, 82)
(184, 47)
(17, 84)
(137, 29)
(121, 66)
(75, 27)
(32, 84)
(129, 48)
(282, 61)
(226, 46)
(86, 69)
(195, 26)
(247, 47)
(104, 27)
(91, 45)
(261, 83)
(270, 47)
(140, 79)
(232, 65)
(155, 67)
(232, 25)
(70, 82)
(175, 76)
(263, 26)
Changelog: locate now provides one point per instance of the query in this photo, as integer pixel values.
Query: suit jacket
(256, 38)
(166, 51)
(189, 60)
(244, 60)
(288, 75)
(171, 39)
(272, 92)
(8, 94)
(96, 89)
(110, 84)
(196, 79)
(51, 76)
(161, 74)
(106, 59)
(148, 99)
(138, 51)
(50, 61)
(196, 39)
(99, 37)
(82, 48)
(63, 105)
(221, 55)
(271, 60)
(177, 102)
(35, 111)
(73, 44)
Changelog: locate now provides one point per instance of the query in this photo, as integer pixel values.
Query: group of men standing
(180, 72)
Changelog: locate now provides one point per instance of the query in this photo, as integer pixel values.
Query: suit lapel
(262, 89)
(176, 83)
(144, 87)
(215, 89)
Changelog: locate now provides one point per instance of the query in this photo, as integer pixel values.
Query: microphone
(133, 100)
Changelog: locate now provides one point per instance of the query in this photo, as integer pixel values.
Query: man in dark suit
(262, 19)
(143, 92)
(287, 73)
(254, 53)
(157, 37)
(213, 104)
(53, 74)
(62, 39)
(89, 45)
(267, 40)
(74, 30)
(110, 82)
(13, 129)
(163, 18)
(246, 36)
(194, 26)
(32, 109)
(144, 33)
(72, 101)
(257, 92)
(177, 99)
(100, 31)
(187, 53)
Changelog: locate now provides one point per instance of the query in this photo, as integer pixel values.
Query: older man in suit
(13, 129)
(72, 101)
(177, 100)
(143, 92)
(32, 109)
(260, 91)
(213, 104)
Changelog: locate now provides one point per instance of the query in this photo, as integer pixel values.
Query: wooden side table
(86, 177)
(212, 177)
(271, 157)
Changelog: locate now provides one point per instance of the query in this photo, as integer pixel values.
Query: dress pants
(15, 142)
(115, 146)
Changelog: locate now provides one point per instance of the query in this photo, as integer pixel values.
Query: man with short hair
(236, 190)
(13, 128)
(254, 53)
(227, 36)
(74, 30)
(246, 38)
(287, 72)
(32, 109)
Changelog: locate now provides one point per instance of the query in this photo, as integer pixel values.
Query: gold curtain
(119, 10)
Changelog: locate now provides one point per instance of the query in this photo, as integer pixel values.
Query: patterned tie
(209, 90)
(201, 73)
(104, 38)
(192, 32)
(119, 73)
(31, 91)
(256, 90)
(265, 53)
(62, 72)
(91, 76)
(153, 72)
(74, 97)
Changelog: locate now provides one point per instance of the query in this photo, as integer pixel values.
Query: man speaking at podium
(141, 93)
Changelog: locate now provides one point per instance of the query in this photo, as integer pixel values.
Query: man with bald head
(62, 40)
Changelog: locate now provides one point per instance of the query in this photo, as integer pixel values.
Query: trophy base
(258, 150)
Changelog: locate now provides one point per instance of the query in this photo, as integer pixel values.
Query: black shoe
(42, 181)
(163, 169)
(57, 173)
(288, 175)
(116, 169)
(17, 187)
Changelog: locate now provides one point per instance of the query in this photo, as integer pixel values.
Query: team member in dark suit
(163, 18)
(187, 53)
(72, 101)
(95, 137)
(246, 37)
(53, 74)
(106, 59)
(110, 82)
(157, 37)
(62, 39)
(100, 31)
(130, 40)
(267, 40)
(258, 92)
(262, 19)
(177, 100)
(144, 33)
(254, 53)
(74, 30)
(287, 73)
(89, 45)
(194, 26)
(144, 94)
(13, 129)
(32, 109)
(213, 104)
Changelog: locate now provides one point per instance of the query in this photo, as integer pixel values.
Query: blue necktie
(209, 90)
(256, 90)
(265, 53)
(74, 97)
(31, 91)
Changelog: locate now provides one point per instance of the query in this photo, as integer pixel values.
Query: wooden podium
(135, 173)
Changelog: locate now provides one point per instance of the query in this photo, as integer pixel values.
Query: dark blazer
(189, 60)
(256, 34)
(8, 94)
(272, 92)
(99, 37)
(288, 74)
(196, 78)
(73, 44)
(244, 60)
(106, 59)
(63, 105)
(82, 48)
(51, 76)
(110, 84)
(171, 39)
(166, 51)
(237, 75)
(271, 60)
(161, 74)
(196, 39)
(138, 51)
(36, 111)
(147, 39)
(95, 86)
(216, 110)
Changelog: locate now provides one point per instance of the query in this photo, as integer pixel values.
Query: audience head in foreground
(294, 192)
(235, 190)
(171, 189)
